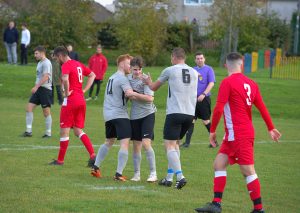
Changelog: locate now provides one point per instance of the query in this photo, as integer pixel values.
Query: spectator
(10, 38)
(97, 63)
(73, 55)
(25, 41)
(56, 78)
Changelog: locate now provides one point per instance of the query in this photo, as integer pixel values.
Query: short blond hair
(123, 58)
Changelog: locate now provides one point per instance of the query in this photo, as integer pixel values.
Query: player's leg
(246, 162)
(111, 134)
(220, 165)
(188, 135)
(48, 121)
(29, 119)
(122, 159)
(46, 99)
(123, 129)
(137, 158)
(102, 152)
(64, 143)
(150, 154)
(253, 186)
(87, 143)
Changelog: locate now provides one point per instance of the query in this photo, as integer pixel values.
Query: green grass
(28, 184)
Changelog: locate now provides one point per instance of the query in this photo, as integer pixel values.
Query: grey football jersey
(115, 103)
(182, 95)
(42, 68)
(140, 109)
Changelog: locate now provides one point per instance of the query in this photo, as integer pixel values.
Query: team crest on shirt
(200, 77)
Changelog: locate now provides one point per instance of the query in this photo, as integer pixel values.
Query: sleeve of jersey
(223, 96)
(211, 76)
(125, 84)
(86, 71)
(65, 69)
(260, 105)
(164, 76)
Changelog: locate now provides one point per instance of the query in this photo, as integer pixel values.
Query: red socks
(253, 187)
(219, 185)
(88, 144)
(64, 142)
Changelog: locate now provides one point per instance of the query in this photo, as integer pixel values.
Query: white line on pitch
(20, 147)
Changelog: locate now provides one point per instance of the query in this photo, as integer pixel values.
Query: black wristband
(203, 94)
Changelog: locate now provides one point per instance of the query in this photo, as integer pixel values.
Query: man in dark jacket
(10, 38)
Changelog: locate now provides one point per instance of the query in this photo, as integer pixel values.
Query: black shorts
(43, 97)
(203, 109)
(119, 128)
(143, 128)
(176, 125)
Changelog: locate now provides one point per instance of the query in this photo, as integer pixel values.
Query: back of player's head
(40, 49)
(60, 50)
(123, 58)
(234, 60)
(178, 53)
(137, 61)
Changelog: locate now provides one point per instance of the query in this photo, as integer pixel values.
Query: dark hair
(137, 61)
(234, 56)
(60, 50)
(178, 53)
(199, 53)
(40, 48)
(24, 24)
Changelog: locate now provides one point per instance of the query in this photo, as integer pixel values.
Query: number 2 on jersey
(79, 71)
(248, 91)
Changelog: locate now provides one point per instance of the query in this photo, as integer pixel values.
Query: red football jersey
(76, 72)
(98, 64)
(237, 94)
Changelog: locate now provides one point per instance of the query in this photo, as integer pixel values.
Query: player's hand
(213, 139)
(275, 135)
(34, 89)
(147, 80)
(69, 93)
(200, 98)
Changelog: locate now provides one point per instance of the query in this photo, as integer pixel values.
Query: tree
(58, 22)
(141, 27)
(238, 25)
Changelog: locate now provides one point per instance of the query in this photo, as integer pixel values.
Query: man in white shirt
(25, 41)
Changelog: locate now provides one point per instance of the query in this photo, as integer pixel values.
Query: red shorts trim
(239, 151)
(72, 116)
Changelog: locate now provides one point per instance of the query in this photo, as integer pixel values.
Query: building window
(198, 2)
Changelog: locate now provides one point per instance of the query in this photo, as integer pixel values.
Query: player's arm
(43, 80)
(206, 91)
(222, 99)
(65, 85)
(140, 97)
(89, 82)
(260, 105)
(154, 86)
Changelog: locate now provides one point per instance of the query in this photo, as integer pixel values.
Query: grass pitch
(28, 184)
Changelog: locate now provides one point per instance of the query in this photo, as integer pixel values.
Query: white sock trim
(81, 134)
(251, 178)
(220, 173)
(64, 139)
